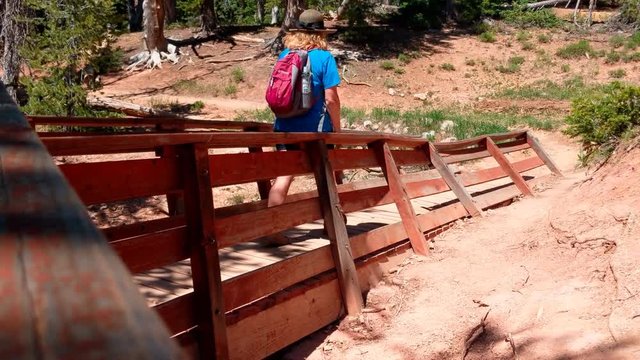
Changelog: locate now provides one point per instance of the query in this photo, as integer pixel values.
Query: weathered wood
(263, 185)
(478, 140)
(205, 262)
(401, 198)
(233, 230)
(256, 166)
(142, 228)
(125, 107)
(537, 148)
(154, 122)
(153, 250)
(335, 226)
(58, 272)
(504, 163)
(451, 180)
(119, 180)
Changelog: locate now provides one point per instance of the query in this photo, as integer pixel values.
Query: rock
(405, 130)
(420, 96)
(367, 123)
(428, 134)
(447, 125)
(392, 91)
(375, 127)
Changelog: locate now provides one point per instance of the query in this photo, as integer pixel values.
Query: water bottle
(306, 86)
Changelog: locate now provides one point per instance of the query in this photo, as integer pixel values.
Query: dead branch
(344, 69)
(247, 58)
(474, 334)
(124, 107)
(513, 346)
(540, 4)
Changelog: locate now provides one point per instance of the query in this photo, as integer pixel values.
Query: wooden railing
(65, 293)
(257, 313)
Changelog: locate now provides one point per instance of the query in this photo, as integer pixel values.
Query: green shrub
(523, 35)
(520, 17)
(237, 74)
(617, 73)
(565, 68)
(633, 41)
(617, 41)
(575, 50)
(352, 115)
(629, 57)
(197, 106)
(389, 83)
(544, 38)
(547, 89)
(487, 36)
(600, 119)
(230, 89)
(261, 115)
(527, 46)
(399, 71)
(404, 58)
(447, 67)
(629, 12)
(470, 62)
(512, 66)
(387, 65)
(612, 57)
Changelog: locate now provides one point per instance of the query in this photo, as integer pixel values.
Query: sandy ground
(557, 274)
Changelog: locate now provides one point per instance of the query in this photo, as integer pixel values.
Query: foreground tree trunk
(12, 35)
(209, 21)
(153, 19)
(134, 8)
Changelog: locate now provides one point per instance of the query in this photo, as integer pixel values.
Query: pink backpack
(289, 90)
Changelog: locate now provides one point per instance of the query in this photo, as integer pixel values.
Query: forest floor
(555, 275)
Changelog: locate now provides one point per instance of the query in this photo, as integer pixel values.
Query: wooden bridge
(207, 282)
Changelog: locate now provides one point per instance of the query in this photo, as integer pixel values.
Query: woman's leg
(279, 190)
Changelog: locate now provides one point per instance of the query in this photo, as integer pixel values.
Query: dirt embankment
(556, 274)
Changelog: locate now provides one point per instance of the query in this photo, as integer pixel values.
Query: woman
(324, 116)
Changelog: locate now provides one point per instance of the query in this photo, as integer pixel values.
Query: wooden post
(504, 163)
(264, 186)
(65, 292)
(453, 183)
(175, 201)
(535, 145)
(400, 197)
(335, 226)
(205, 264)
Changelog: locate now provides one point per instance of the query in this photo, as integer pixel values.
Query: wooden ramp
(223, 295)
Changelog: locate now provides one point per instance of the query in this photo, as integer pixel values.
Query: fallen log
(540, 4)
(127, 108)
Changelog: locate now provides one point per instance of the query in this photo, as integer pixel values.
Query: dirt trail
(557, 272)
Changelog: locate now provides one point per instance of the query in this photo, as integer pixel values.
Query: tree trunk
(294, 8)
(153, 18)
(209, 19)
(260, 9)
(134, 8)
(12, 35)
(170, 11)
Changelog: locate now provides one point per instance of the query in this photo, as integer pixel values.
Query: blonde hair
(305, 41)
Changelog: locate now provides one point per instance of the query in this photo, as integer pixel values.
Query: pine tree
(66, 36)
(13, 30)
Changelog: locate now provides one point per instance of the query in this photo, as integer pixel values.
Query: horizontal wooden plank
(229, 169)
(475, 141)
(143, 227)
(467, 154)
(153, 250)
(109, 181)
(248, 226)
(167, 122)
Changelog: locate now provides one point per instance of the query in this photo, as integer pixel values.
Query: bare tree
(12, 35)
(153, 20)
(260, 10)
(209, 20)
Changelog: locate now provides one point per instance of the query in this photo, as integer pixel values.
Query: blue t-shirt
(324, 75)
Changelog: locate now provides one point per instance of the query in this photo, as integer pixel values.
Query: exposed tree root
(153, 59)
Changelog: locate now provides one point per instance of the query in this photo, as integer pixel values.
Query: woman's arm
(333, 106)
